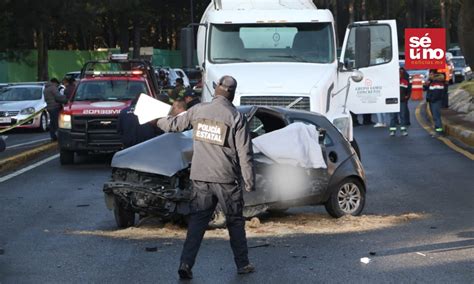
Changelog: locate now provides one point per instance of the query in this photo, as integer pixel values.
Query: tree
(466, 30)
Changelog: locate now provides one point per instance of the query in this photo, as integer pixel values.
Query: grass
(468, 86)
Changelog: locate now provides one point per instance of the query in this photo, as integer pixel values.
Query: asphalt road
(20, 140)
(43, 208)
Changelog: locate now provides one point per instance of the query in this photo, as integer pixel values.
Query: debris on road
(365, 260)
(291, 224)
(254, 223)
(372, 253)
(83, 205)
(151, 249)
(259, 246)
(419, 253)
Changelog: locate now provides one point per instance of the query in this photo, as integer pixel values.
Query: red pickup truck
(88, 122)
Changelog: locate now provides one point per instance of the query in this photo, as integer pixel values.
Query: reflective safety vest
(405, 88)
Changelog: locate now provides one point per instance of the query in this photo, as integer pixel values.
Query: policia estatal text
(222, 159)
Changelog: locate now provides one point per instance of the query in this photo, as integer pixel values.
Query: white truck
(283, 53)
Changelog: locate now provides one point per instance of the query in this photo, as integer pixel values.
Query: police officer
(222, 159)
(130, 130)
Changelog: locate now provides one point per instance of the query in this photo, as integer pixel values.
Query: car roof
(281, 110)
(25, 85)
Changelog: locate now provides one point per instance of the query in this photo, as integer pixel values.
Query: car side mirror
(357, 76)
(362, 47)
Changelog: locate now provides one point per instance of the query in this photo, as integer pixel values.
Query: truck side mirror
(362, 47)
(187, 47)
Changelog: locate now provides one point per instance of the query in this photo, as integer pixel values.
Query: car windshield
(109, 90)
(21, 94)
(459, 62)
(295, 42)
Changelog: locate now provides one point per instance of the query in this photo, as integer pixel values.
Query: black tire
(277, 212)
(348, 198)
(124, 217)
(43, 127)
(356, 148)
(66, 157)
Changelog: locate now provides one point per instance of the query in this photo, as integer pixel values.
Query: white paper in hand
(148, 108)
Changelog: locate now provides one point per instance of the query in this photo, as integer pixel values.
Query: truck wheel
(66, 157)
(43, 125)
(356, 148)
(124, 217)
(347, 199)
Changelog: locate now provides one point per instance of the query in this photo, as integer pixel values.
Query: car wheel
(43, 125)
(347, 199)
(66, 157)
(356, 148)
(124, 217)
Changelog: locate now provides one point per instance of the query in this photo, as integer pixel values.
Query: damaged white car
(300, 159)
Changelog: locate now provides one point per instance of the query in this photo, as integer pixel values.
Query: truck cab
(283, 53)
(88, 122)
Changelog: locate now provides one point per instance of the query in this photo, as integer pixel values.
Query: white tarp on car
(295, 145)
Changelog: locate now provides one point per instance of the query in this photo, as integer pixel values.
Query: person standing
(404, 115)
(130, 130)
(435, 89)
(191, 99)
(70, 87)
(222, 164)
(54, 104)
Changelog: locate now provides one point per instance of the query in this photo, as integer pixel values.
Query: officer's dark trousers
(206, 196)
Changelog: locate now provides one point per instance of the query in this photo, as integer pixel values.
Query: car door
(282, 182)
(372, 48)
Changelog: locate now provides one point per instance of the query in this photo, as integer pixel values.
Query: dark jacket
(435, 89)
(405, 89)
(222, 144)
(192, 103)
(52, 97)
(130, 130)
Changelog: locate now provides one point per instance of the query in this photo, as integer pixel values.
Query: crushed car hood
(163, 155)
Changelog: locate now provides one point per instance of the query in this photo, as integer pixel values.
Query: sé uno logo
(425, 48)
(420, 48)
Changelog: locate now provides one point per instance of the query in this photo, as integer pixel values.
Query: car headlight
(65, 121)
(343, 125)
(27, 111)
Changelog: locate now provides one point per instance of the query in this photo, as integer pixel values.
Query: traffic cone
(417, 88)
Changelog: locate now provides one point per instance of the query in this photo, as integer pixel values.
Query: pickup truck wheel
(124, 217)
(356, 148)
(66, 157)
(347, 199)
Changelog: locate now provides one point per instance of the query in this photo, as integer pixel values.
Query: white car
(173, 74)
(18, 102)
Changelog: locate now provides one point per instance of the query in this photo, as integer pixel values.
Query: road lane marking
(24, 170)
(27, 143)
(445, 140)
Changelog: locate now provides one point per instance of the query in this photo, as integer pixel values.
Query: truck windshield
(109, 90)
(285, 42)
